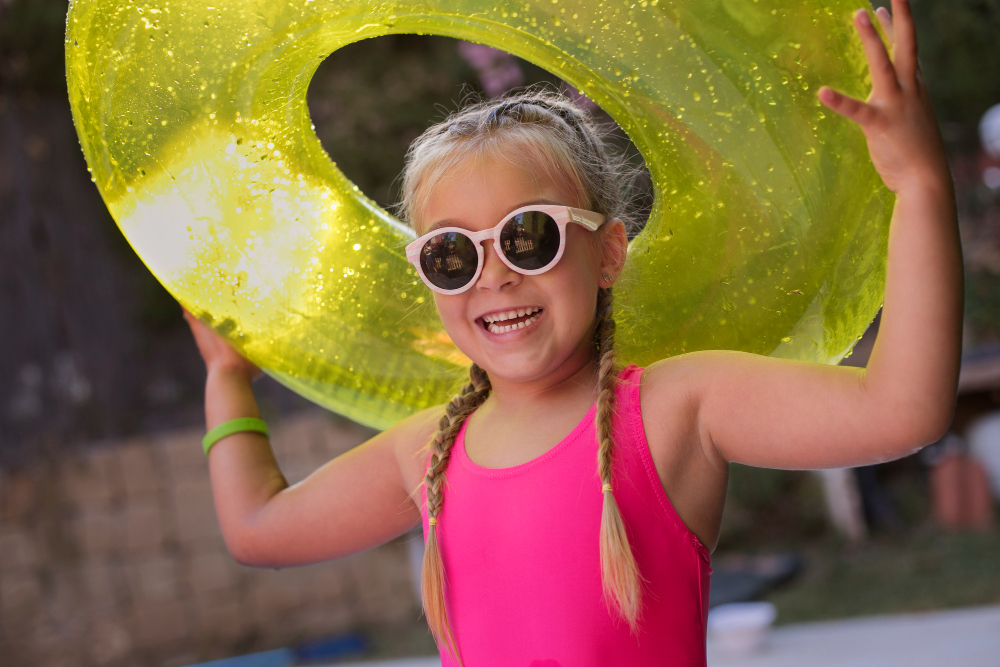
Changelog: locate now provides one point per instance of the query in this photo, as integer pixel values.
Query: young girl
(569, 505)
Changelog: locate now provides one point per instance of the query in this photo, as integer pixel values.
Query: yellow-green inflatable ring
(768, 232)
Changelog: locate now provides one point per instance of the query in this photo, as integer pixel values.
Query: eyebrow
(455, 223)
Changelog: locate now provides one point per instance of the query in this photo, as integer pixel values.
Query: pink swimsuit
(521, 556)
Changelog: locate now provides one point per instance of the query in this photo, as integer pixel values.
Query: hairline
(477, 151)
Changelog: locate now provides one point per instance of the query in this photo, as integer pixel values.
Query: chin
(525, 360)
(521, 365)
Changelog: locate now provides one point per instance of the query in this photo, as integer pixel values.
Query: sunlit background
(110, 552)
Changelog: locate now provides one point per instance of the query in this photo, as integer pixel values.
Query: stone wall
(115, 557)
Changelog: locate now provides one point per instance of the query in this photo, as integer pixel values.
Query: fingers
(192, 321)
(906, 43)
(889, 75)
(189, 318)
(882, 71)
(847, 106)
(885, 20)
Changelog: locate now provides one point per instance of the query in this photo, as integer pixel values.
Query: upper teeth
(493, 321)
(510, 314)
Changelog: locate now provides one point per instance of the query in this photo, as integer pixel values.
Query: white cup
(740, 628)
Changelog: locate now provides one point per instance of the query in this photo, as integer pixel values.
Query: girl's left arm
(790, 414)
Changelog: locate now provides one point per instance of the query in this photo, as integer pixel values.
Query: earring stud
(606, 277)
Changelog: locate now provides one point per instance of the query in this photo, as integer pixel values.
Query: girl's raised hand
(897, 118)
(216, 352)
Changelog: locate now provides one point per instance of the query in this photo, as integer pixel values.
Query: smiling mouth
(503, 322)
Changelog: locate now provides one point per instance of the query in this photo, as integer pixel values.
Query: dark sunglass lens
(530, 240)
(449, 260)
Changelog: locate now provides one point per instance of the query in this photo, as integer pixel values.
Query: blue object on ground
(341, 646)
(333, 647)
(745, 578)
(279, 657)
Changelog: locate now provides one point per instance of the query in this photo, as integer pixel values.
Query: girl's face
(477, 197)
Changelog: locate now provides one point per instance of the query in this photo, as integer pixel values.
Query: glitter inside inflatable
(768, 232)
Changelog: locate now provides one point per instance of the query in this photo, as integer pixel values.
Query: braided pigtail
(432, 581)
(619, 572)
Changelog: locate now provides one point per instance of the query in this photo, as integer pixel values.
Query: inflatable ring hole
(370, 99)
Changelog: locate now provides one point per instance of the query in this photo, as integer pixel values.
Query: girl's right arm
(358, 500)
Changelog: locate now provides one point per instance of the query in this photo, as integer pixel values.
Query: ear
(614, 240)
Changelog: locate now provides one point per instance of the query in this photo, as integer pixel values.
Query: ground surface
(965, 637)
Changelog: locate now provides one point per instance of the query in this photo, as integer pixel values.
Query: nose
(495, 275)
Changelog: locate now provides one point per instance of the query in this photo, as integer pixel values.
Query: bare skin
(701, 411)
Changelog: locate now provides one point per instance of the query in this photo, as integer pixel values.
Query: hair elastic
(432, 521)
(237, 425)
(606, 487)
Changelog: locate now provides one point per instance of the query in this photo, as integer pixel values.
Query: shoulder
(672, 394)
(673, 381)
(687, 377)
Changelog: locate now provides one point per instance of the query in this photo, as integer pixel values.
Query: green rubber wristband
(233, 426)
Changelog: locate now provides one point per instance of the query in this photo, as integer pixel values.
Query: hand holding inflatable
(217, 353)
(897, 118)
(768, 231)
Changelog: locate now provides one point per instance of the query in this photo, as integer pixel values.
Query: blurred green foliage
(982, 303)
(905, 572)
(772, 509)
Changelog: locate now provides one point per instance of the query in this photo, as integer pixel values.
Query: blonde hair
(546, 131)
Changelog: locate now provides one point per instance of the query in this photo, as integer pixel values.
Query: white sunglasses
(530, 240)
